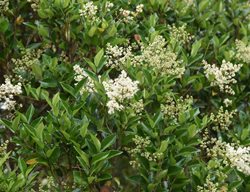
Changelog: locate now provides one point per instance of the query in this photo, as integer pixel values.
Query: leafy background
(58, 139)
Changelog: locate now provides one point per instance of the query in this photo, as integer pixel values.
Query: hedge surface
(125, 95)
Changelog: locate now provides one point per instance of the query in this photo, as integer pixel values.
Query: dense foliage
(125, 95)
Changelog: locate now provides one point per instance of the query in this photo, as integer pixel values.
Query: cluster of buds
(4, 6)
(172, 108)
(223, 119)
(179, 34)
(242, 51)
(3, 148)
(140, 150)
(34, 4)
(23, 65)
(137, 107)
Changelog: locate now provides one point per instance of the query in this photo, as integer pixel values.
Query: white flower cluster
(223, 119)
(34, 4)
(89, 11)
(80, 74)
(128, 16)
(239, 157)
(4, 6)
(232, 154)
(242, 51)
(157, 56)
(179, 34)
(140, 149)
(172, 108)
(117, 56)
(223, 76)
(227, 102)
(47, 184)
(109, 5)
(7, 93)
(119, 90)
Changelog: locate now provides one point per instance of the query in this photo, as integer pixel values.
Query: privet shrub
(138, 95)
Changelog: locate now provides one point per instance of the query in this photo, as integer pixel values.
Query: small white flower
(118, 91)
(80, 74)
(222, 77)
(117, 56)
(7, 93)
(89, 11)
(227, 102)
(109, 5)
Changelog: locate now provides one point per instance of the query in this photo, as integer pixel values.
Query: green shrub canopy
(125, 95)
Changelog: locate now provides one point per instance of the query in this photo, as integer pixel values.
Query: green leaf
(91, 64)
(187, 151)
(158, 119)
(203, 5)
(163, 147)
(22, 165)
(68, 89)
(4, 25)
(50, 151)
(195, 48)
(174, 170)
(83, 156)
(114, 153)
(83, 129)
(15, 123)
(92, 31)
(112, 30)
(55, 101)
(98, 57)
(96, 142)
(39, 134)
(66, 3)
(7, 124)
(192, 130)
(37, 71)
(99, 157)
(91, 179)
(30, 112)
(108, 141)
(244, 134)
(43, 31)
(4, 158)
(216, 41)
(104, 177)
